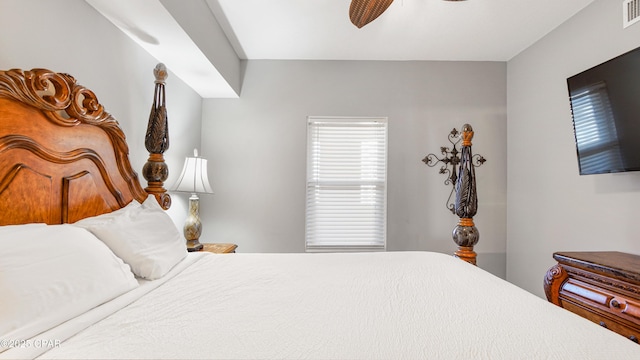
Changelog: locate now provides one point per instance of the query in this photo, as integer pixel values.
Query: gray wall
(550, 207)
(256, 144)
(70, 36)
(256, 149)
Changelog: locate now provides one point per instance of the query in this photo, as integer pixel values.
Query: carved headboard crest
(49, 127)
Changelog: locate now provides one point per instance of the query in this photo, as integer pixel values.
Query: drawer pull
(633, 338)
(603, 324)
(631, 308)
(615, 303)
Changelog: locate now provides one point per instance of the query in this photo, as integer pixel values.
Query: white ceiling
(491, 30)
(471, 30)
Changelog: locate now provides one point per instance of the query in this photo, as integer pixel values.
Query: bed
(92, 267)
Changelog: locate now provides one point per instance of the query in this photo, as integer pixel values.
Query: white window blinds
(346, 205)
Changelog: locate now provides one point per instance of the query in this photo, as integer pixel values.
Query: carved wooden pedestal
(603, 287)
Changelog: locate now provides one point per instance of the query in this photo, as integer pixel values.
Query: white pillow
(144, 236)
(52, 273)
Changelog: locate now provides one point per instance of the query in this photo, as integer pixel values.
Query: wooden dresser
(603, 287)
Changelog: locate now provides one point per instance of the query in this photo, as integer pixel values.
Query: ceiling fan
(362, 12)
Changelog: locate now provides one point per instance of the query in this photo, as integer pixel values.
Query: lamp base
(194, 245)
(193, 226)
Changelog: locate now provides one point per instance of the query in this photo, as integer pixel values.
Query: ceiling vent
(630, 12)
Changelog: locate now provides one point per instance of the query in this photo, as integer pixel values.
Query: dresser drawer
(610, 322)
(603, 287)
(602, 300)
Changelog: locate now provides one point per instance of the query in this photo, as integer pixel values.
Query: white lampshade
(194, 178)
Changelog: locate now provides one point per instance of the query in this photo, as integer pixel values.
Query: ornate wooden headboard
(62, 157)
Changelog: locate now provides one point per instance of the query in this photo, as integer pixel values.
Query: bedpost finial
(160, 72)
(467, 135)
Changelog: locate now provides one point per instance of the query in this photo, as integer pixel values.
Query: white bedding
(49, 274)
(394, 305)
(31, 348)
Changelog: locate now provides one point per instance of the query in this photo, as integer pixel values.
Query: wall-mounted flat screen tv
(605, 104)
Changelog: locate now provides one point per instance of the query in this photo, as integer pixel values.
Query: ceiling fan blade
(362, 12)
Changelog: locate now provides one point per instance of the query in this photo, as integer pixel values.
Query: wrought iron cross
(450, 161)
(460, 168)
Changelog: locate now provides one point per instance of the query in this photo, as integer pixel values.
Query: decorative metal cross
(450, 160)
(460, 168)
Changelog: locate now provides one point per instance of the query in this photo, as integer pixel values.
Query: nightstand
(218, 248)
(603, 287)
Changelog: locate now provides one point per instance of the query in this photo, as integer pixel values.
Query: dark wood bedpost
(465, 234)
(460, 168)
(156, 171)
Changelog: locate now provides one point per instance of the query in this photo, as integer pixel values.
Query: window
(596, 133)
(346, 205)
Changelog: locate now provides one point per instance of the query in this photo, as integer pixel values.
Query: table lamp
(194, 180)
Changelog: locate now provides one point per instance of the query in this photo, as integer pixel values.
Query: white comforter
(394, 305)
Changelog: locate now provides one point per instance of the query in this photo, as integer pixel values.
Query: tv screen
(605, 104)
